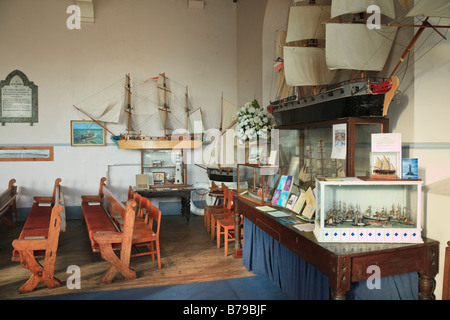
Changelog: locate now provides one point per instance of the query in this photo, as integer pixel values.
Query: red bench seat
(97, 220)
(37, 225)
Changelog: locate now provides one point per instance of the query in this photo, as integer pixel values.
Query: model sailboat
(139, 117)
(218, 157)
(325, 61)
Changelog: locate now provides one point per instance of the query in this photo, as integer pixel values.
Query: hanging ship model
(320, 49)
(113, 107)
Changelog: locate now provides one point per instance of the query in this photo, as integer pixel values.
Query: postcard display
(164, 167)
(257, 183)
(356, 210)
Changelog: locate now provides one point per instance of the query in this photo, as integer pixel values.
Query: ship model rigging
(219, 156)
(327, 52)
(111, 105)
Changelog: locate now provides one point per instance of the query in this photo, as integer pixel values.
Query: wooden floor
(188, 255)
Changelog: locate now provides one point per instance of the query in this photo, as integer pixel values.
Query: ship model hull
(157, 143)
(222, 174)
(345, 100)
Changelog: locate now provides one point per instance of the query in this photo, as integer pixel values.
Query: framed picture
(159, 177)
(87, 134)
(255, 155)
(410, 168)
(23, 153)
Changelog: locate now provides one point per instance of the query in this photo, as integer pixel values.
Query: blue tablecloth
(263, 255)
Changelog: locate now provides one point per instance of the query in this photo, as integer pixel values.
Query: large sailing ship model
(328, 52)
(140, 114)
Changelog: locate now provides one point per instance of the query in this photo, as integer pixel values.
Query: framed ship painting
(87, 134)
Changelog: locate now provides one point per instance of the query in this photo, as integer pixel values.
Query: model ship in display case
(356, 210)
(257, 183)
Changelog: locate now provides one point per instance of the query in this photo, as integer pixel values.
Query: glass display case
(357, 210)
(164, 167)
(257, 183)
(338, 148)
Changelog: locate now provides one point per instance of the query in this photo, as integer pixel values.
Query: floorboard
(187, 254)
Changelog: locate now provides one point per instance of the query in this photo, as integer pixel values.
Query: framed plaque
(18, 99)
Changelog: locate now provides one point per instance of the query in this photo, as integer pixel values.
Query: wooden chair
(446, 286)
(147, 235)
(222, 213)
(207, 209)
(226, 227)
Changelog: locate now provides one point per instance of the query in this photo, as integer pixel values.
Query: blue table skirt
(263, 255)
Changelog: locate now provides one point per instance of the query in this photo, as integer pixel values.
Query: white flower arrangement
(253, 122)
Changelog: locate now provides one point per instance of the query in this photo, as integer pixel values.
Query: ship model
(219, 156)
(340, 214)
(328, 52)
(384, 167)
(139, 117)
(315, 167)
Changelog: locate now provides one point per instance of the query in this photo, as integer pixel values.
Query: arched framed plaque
(18, 99)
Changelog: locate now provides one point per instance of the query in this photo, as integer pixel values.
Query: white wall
(195, 47)
(431, 144)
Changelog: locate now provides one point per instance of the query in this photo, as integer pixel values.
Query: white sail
(283, 90)
(164, 110)
(356, 47)
(306, 66)
(106, 112)
(195, 123)
(221, 152)
(229, 111)
(305, 22)
(341, 7)
(431, 8)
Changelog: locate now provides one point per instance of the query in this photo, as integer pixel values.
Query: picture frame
(26, 153)
(255, 155)
(410, 168)
(87, 134)
(159, 177)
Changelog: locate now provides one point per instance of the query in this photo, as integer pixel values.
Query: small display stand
(365, 210)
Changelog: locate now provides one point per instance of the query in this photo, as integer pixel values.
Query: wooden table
(177, 192)
(342, 267)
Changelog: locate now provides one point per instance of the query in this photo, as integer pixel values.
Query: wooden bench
(39, 237)
(8, 204)
(105, 235)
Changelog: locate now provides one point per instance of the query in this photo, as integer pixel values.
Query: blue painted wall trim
(74, 212)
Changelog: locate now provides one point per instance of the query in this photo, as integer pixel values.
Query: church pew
(105, 235)
(8, 204)
(39, 237)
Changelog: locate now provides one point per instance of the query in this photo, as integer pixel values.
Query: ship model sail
(138, 108)
(325, 59)
(383, 166)
(219, 157)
